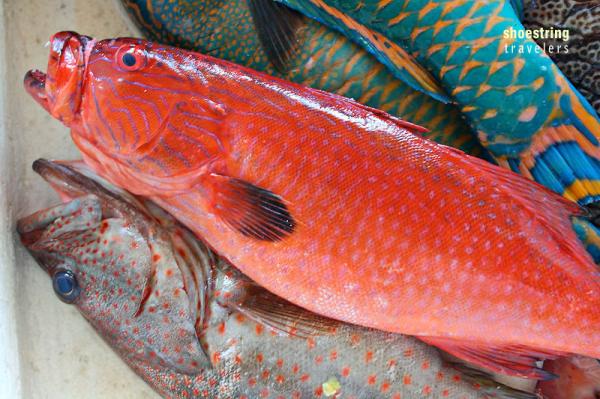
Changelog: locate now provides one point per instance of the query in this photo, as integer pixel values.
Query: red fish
(342, 209)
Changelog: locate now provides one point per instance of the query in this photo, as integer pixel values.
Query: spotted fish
(320, 57)
(332, 205)
(193, 327)
(581, 61)
(524, 110)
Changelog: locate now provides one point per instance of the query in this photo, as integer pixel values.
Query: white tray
(47, 350)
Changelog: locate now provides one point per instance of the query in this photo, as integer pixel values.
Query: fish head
(59, 90)
(117, 94)
(116, 264)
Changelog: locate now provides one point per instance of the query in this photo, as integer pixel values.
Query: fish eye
(130, 58)
(65, 285)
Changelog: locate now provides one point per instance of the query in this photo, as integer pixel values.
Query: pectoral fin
(251, 210)
(514, 360)
(280, 315)
(277, 27)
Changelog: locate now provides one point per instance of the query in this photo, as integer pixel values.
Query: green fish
(301, 50)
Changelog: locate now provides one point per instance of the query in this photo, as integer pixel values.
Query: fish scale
(114, 241)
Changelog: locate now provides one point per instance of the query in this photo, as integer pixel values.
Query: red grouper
(340, 208)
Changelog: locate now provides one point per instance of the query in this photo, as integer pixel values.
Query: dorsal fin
(277, 27)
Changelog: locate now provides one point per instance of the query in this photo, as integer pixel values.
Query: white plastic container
(47, 350)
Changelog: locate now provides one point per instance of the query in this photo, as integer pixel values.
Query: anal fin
(513, 360)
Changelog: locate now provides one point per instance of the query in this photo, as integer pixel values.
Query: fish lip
(35, 85)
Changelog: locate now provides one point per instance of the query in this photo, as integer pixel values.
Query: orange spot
(216, 357)
(528, 114)
(368, 356)
(445, 392)
(259, 329)
(221, 328)
(295, 368)
(319, 359)
(304, 377)
(259, 357)
(280, 379)
(251, 381)
(355, 339)
(408, 352)
(440, 376)
(280, 363)
(238, 359)
(456, 377)
(426, 390)
(372, 379)
(318, 391)
(311, 343)
(407, 379)
(264, 393)
(396, 396)
(333, 355)
(425, 365)
(265, 374)
(345, 371)
(392, 362)
(169, 272)
(385, 386)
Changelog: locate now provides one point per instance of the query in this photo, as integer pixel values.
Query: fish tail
(564, 160)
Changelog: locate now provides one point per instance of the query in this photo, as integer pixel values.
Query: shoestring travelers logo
(549, 40)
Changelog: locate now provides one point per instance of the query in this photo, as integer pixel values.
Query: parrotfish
(303, 51)
(579, 58)
(194, 327)
(578, 378)
(475, 53)
(342, 209)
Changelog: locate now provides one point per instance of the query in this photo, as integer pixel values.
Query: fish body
(323, 59)
(179, 315)
(332, 205)
(581, 63)
(524, 110)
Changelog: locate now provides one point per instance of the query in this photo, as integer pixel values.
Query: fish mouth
(59, 90)
(35, 84)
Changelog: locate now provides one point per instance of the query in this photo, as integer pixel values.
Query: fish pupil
(64, 283)
(129, 59)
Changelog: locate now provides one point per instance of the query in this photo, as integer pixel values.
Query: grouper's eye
(65, 285)
(130, 58)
